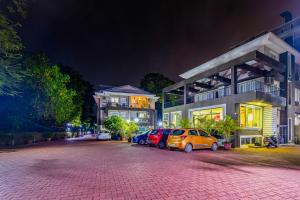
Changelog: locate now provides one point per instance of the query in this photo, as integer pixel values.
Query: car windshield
(177, 132)
(153, 132)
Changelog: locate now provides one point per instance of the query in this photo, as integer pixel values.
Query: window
(114, 99)
(212, 113)
(166, 119)
(250, 116)
(166, 131)
(193, 132)
(175, 118)
(177, 132)
(123, 101)
(203, 133)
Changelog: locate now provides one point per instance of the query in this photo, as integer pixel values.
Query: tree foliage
(10, 46)
(227, 127)
(115, 124)
(154, 83)
(83, 101)
(51, 99)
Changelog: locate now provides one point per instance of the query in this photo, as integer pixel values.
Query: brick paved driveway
(112, 170)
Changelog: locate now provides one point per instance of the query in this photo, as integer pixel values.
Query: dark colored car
(141, 138)
(159, 137)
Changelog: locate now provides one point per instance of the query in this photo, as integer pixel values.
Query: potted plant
(227, 127)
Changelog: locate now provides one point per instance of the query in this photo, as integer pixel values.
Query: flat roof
(269, 40)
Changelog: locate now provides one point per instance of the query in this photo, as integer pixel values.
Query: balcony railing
(172, 103)
(244, 87)
(258, 86)
(125, 105)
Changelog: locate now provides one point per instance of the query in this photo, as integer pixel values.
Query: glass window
(153, 132)
(175, 119)
(114, 99)
(250, 116)
(177, 132)
(193, 132)
(166, 119)
(212, 113)
(166, 131)
(203, 133)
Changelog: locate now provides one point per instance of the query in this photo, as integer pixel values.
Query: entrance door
(283, 134)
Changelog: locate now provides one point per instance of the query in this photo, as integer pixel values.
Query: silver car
(103, 136)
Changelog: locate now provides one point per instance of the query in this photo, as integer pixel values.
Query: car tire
(214, 147)
(141, 141)
(188, 148)
(161, 145)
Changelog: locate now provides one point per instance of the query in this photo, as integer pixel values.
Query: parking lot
(117, 170)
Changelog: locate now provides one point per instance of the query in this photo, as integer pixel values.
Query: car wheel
(161, 145)
(214, 147)
(188, 148)
(142, 142)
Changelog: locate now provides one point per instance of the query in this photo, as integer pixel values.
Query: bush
(227, 127)
(116, 125)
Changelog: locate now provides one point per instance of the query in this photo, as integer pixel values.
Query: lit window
(250, 116)
(212, 113)
(114, 99)
(166, 120)
(175, 119)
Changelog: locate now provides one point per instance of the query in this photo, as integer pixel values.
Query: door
(193, 138)
(205, 140)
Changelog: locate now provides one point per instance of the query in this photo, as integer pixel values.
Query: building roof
(268, 39)
(123, 89)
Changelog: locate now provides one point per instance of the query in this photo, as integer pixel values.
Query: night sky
(118, 41)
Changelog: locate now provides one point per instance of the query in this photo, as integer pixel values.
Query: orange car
(189, 139)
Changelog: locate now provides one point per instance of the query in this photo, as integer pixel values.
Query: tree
(83, 101)
(154, 83)
(131, 128)
(115, 124)
(51, 99)
(10, 46)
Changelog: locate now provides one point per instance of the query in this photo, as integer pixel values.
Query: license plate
(172, 145)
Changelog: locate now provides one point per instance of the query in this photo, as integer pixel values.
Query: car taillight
(183, 137)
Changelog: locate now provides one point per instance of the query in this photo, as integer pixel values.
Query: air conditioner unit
(269, 80)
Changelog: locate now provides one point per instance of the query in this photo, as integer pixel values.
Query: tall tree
(51, 99)
(10, 45)
(84, 101)
(154, 83)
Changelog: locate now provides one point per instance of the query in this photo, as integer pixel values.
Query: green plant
(131, 128)
(227, 127)
(206, 124)
(185, 123)
(116, 125)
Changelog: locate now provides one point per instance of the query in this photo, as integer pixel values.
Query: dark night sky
(118, 41)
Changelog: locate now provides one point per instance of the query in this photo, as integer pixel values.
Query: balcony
(260, 88)
(126, 105)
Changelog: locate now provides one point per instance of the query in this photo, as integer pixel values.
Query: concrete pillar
(233, 80)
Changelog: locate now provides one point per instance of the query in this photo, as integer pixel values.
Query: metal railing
(209, 95)
(249, 86)
(243, 87)
(172, 103)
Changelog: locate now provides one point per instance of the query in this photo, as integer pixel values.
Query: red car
(158, 137)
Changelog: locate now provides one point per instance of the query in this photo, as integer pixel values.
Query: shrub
(227, 127)
(116, 125)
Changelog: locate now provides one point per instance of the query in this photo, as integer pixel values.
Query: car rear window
(153, 132)
(177, 132)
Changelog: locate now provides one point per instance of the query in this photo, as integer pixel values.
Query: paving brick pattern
(113, 170)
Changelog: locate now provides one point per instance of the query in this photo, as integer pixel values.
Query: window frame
(246, 116)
